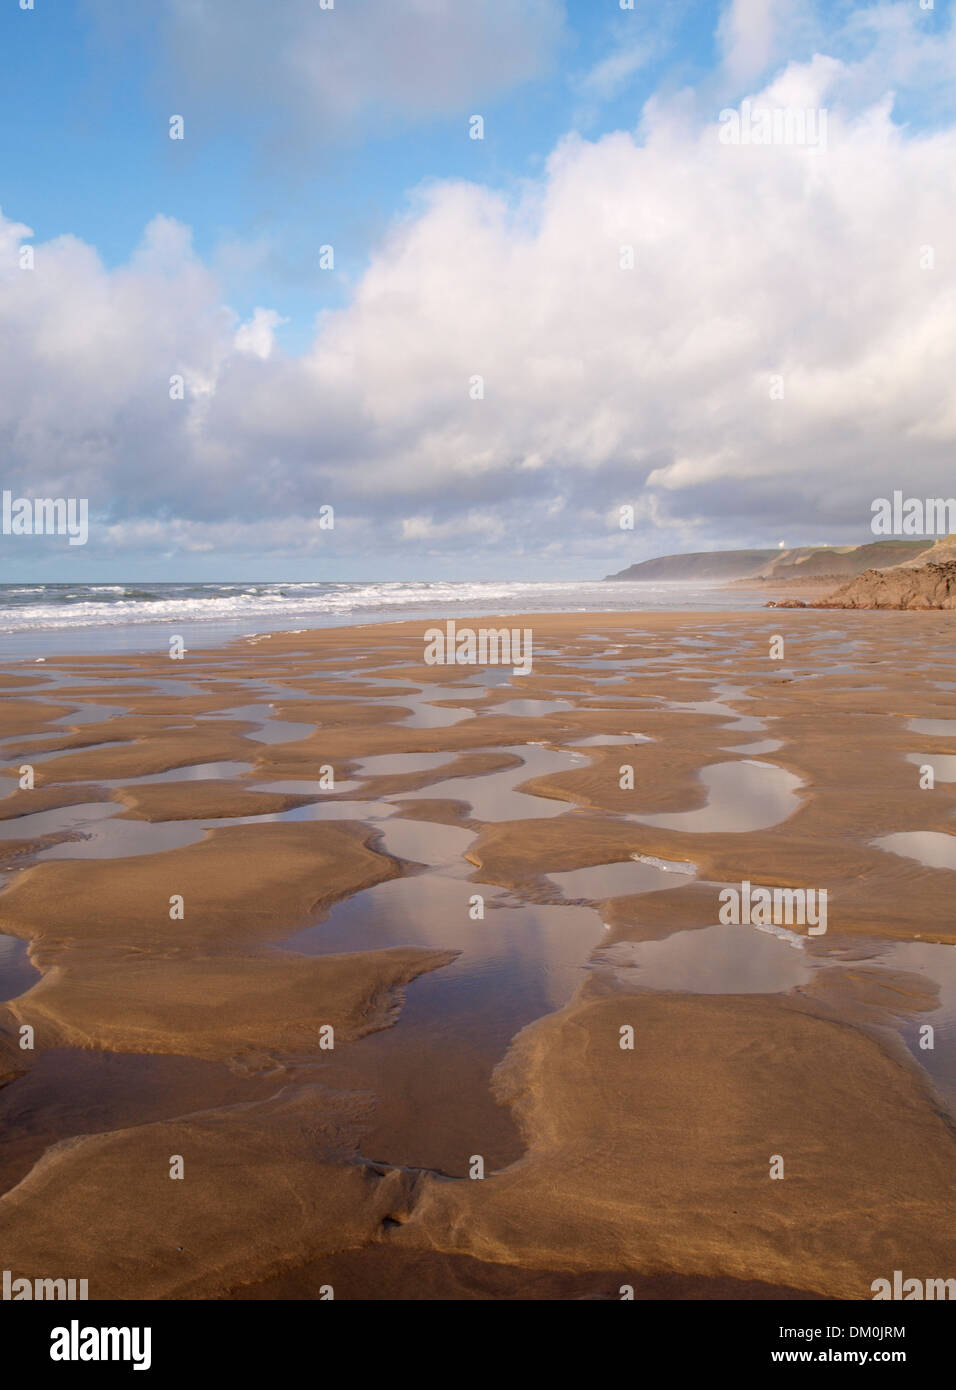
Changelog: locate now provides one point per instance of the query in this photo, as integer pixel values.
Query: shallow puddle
(490, 675)
(91, 714)
(17, 975)
(193, 772)
(316, 810)
(943, 727)
(432, 1073)
(58, 821)
(744, 723)
(425, 842)
(766, 745)
(23, 741)
(937, 965)
(931, 848)
(607, 740)
(720, 959)
(121, 839)
(281, 731)
(529, 709)
(493, 797)
(400, 764)
(269, 730)
(330, 810)
(520, 961)
(742, 796)
(943, 764)
(618, 880)
(304, 787)
(425, 715)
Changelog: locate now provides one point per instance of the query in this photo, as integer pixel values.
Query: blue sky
(84, 148)
(360, 140)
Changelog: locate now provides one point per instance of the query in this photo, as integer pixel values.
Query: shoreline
(411, 625)
(347, 908)
(153, 632)
(140, 636)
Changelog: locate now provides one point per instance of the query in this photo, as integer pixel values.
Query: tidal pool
(529, 709)
(932, 848)
(946, 728)
(400, 764)
(58, 820)
(269, 729)
(493, 797)
(741, 796)
(17, 975)
(720, 959)
(620, 879)
(943, 764)
(607, 740)
(426, 715)
(193, 772)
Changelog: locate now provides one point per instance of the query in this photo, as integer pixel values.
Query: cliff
(908, 586)
(819, 563)
(705, 564)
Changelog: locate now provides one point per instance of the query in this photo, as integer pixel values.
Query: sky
(476, 351)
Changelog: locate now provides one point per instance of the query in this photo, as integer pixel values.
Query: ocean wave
(87, 607)
(48, 608)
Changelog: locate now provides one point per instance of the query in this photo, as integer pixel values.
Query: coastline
(42, 621)
(455, 1037)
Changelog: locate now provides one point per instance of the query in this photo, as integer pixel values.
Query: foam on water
(35, 619)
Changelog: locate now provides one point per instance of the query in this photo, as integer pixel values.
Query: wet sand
(338, 928)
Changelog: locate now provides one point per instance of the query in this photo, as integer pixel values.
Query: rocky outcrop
(919, 587)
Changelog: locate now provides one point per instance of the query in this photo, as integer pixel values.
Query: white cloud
(464, 526)
(602, 386)
(747, 36)
(258, 335)
(626, 58)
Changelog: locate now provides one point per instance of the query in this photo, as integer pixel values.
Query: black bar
(274, 1338)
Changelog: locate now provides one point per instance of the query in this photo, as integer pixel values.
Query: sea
(39, 620)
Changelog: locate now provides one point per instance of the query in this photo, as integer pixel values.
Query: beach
(346, 971)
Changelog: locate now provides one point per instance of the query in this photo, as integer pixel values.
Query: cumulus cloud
(500, 381)
(258, 335)
(889, 45)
